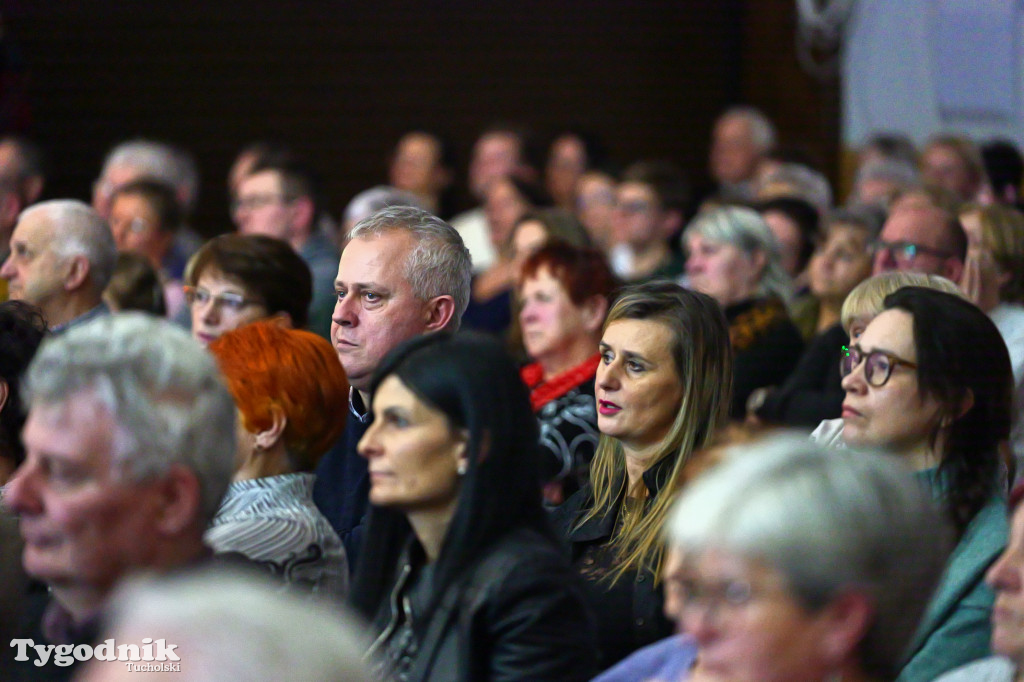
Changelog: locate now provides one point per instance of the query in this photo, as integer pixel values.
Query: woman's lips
(850, 412)
(607, 408)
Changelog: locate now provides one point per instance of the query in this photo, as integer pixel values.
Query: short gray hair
(78, 230)
(829, 521)
(745, 229)
(438, 265)
(171, 165)
(233, 626)
(805, 183)
(161, 388)
(762, 130)
(369, 201)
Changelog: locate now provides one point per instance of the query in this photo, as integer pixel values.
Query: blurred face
(136, 227)
(566, 163)
(747, 623)
(924, 228)
(220, 304)
(595, 202)
(721, 270)
(262, 208)
(840, 264)
(637, 215)
(893, 416)
(942, 166)
(495, 156)
(504, 207)
(528, 237)
(790, 240)
(34, 273)
(734, 156)
(1006, 577)
(551, 322)
(376, 308)
(84, 524)
(103, 189)
(412, 452)
(638, 388)
(415, 164)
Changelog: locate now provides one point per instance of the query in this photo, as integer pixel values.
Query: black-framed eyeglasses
(226, 301)
(906, 252)
(878, 364)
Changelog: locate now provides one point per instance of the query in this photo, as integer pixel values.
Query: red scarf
(543, 392)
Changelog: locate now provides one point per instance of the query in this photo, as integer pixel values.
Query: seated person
(135, 285)
(235, 279)
(292, 398)
(760, 593)
(146, 218)
(734, 258)
(813, 392)
(929, 379)
(563, 297)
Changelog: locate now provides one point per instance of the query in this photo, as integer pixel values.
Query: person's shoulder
(991, 669)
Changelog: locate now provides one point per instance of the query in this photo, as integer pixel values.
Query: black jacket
(619, 634)
(813, 392)
(518, 614)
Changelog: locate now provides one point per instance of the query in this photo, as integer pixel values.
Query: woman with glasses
(930, 381)
(790, 563)
(235, 279)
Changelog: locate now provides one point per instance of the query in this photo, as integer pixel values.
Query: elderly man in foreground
(129, 445)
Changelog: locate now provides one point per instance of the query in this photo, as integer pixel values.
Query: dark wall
(342, 80)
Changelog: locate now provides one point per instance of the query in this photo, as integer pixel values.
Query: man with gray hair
(403, 272)
(129, 441)
(741, 139)
(173, 166)
(62, 256)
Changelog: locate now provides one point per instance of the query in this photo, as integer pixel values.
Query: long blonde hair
(702, 357)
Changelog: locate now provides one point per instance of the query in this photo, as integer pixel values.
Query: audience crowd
(599, 426)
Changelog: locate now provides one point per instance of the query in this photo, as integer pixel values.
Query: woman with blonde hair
(662, 389)
(993, 280)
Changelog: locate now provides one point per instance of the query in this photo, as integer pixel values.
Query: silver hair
(896, 171)
(233, 626)
(162, 390)
(829, 521)
(438, 265)
(762, 130)
(78, 230)
(745, 229)
(171, 165)
(369, 201)
(807, 183)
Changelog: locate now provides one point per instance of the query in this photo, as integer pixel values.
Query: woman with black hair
(930, 380)
(460, 574)
(22, 329)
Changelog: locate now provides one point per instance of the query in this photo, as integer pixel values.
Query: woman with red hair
(292, 395)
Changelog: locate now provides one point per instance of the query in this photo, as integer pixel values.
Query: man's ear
(440, 310)
(594, 309)
(180, 500)
(270, 436)
(78, 271)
